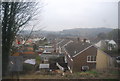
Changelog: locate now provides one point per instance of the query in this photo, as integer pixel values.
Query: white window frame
(65, 59)
(70, 57)
(69, 69)
(91, 59)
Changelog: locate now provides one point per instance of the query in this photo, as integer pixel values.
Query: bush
(28, 68)
(38, 59)
(92, 72)
(114, 72)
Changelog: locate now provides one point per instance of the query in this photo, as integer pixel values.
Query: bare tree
(14, 16)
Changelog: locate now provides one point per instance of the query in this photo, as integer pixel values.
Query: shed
(44, 66)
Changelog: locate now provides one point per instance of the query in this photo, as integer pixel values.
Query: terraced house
(60, 45)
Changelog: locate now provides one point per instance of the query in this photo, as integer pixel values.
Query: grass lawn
(78, 75)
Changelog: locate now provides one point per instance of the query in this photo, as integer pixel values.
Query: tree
(101, 36)
(114, 35)
(35, 47)
(14, 16)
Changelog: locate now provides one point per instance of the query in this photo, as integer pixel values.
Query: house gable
(104, 59)
(81, 59)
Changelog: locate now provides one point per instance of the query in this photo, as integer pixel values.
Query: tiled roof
(76, 47)
(29, 52)
(30, 48)
(16, 54)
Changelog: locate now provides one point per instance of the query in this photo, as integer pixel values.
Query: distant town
(65, 56)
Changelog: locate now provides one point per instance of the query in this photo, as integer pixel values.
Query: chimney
(78, 39)
(84, 40)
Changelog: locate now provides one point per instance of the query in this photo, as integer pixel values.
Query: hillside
(85, 32)
(80, 32)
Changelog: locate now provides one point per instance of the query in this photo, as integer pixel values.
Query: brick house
(80, 56)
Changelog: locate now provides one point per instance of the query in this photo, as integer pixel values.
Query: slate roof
(112, 42)
(64, 65)
(76, 47)
(112, 53)
(63, 42)
(30, 61)
(53, 66)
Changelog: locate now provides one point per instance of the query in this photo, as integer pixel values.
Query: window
(88, 58)
(91, 58)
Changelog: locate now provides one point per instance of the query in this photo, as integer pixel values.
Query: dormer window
(91, 58)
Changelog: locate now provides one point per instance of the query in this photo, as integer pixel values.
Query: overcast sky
(67, 14)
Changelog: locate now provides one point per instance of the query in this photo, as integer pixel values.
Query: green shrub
(38, 59)
(114, 72)
(28, 68)
(92, 72)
